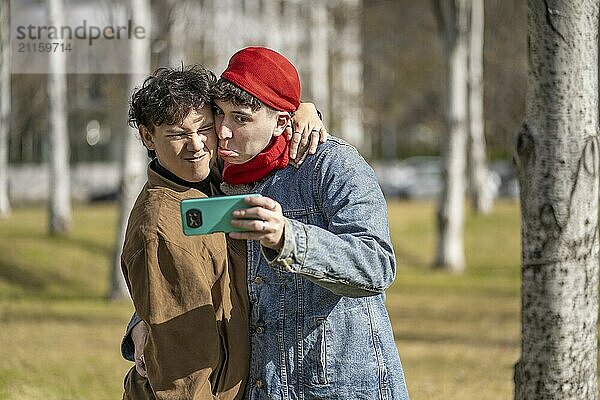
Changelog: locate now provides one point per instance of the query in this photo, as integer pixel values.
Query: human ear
(147, 137)
(283, 120)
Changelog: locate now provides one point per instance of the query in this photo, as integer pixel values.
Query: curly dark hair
(227, 91)
(168, 96)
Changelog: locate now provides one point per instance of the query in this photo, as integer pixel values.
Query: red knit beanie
(267, 75)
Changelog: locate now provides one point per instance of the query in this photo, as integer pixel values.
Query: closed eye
(206, 130)
(177, 135)
(241, 119)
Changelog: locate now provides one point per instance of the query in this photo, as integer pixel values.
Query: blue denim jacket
(319, 326)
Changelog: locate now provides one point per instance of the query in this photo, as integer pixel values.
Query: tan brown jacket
(193, 301)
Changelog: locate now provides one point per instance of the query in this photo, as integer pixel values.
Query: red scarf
(275, 156)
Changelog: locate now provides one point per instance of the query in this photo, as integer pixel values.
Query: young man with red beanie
(319, 255)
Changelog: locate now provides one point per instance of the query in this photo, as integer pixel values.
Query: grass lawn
(458, 335)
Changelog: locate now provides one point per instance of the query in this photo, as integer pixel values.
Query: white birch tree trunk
(224, 31)
(292, 33)
(134, 159)
(482, 195)
(319, 55)
(557, 160)
(252, 32)
(272, 18)
(5, 104)
(209, 41)
(450, 218)
(60, 190)
(178, 27)
(348, 74)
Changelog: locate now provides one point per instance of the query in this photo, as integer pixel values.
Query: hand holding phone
(263, 221)
(211, 214)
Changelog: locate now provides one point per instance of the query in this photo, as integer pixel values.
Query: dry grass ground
(458, 336)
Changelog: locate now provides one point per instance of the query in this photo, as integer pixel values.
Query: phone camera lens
(194, 218)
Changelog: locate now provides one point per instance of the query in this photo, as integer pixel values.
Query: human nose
(196, 142)
(223, 132)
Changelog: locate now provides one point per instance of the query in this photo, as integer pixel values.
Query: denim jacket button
(259, 280)
(260, 329)
(287, 262)
(259, 383)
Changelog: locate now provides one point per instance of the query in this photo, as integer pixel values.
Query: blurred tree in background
(133, 156)
(60, 183)
(5, 100)
(401, 65)
(404, 76)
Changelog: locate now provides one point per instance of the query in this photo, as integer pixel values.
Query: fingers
(252, 218)
(139, 334)
(263, 222)
(257, 227)
(260, 201)
(305, 142)
(289, 131)
(294, 143)
(299, 145)
(302, 157)
(264, 209)
(306, 134)
(324, 135)
(315, 136)
(140, 366)
(300, 137)
(267, 233)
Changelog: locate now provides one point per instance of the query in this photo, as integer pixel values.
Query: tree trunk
(225, 28)
(557, 160)
(178, 25)
(450, 249)
(134, 160)
(5, 100)
(252, 34)
(348, 75)
(292, 32)
(319, 56)
(482, 194)
(60, 190)
(272, 18)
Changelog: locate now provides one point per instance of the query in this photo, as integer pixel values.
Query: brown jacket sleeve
(178, 292)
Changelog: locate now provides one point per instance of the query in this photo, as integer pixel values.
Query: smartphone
(211, 214)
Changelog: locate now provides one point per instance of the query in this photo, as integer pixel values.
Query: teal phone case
(211, 214)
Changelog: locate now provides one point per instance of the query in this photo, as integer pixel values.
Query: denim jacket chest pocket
(306, 215)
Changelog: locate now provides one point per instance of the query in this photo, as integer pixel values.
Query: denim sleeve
(353, 255)
(127, 347)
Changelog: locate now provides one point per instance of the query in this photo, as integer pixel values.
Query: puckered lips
(226, 153)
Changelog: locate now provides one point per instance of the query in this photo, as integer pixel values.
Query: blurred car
(417, 177)
(421, 177)
(509, 183)
(425, 180)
